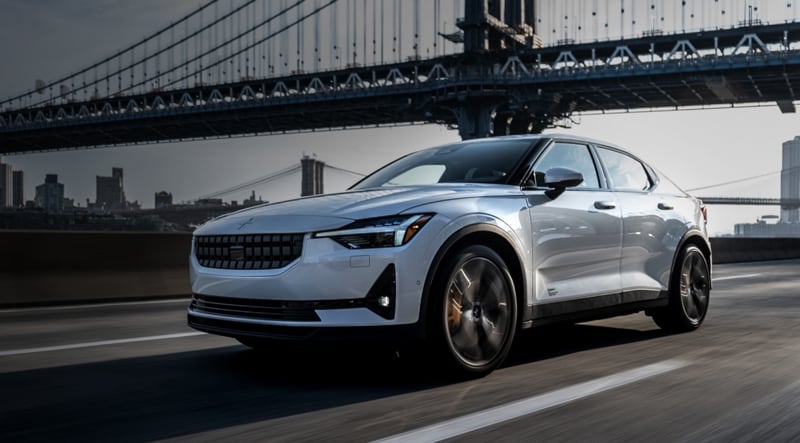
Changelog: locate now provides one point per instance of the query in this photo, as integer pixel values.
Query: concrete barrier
(61, 267)
(58, 267)
(733, 250)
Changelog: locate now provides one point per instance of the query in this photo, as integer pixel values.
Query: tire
(473, 316)
(689, 293)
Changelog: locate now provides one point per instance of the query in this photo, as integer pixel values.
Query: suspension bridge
(485, 67)
(310, 170)
(310, 174)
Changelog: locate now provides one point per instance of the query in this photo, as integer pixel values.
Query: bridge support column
(475, 119)
(520, 125)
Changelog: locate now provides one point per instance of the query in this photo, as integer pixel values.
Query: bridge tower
(312, 179)
(497, 24)
(491, 27)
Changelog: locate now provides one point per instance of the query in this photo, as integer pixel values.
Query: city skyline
(101, 196)
(694, 148)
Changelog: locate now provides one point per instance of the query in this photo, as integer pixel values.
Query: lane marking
(499, 414)
(92, 344)
(734, 277)
(97, 305)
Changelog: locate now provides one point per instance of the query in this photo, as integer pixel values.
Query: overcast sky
(47, 38)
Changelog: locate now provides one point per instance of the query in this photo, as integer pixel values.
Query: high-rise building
(790, 179)
(6, 185)
(163, 199)
(110, 191)
(50, 194)
(18, 185)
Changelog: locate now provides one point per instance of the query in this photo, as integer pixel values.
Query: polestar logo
(249, 221)
(237, 253)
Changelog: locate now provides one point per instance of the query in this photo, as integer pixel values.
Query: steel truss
(494, 92)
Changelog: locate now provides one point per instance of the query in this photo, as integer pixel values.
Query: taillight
(704, 210)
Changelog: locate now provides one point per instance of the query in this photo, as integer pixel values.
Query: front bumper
(325, 277)
(364, 334)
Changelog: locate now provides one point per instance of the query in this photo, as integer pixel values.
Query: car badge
(236, 253)
(249, 221)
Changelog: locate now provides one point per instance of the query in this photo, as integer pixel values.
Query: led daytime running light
(378, 233)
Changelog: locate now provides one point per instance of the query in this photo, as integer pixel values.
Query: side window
(573, 156)
(626, 173)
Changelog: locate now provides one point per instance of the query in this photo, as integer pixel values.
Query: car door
(647, 218)
(576, 236)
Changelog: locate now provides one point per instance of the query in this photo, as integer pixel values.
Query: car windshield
(491, 161)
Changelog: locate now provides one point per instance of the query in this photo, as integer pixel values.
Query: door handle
(604, 205)
(665, 206)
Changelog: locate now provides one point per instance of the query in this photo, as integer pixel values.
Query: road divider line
(499, 414)
(97, 305)
(92, 344)
(736, 277)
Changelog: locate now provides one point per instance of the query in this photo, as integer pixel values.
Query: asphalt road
(135, 372)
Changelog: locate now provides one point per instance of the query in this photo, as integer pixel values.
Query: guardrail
(62, 267)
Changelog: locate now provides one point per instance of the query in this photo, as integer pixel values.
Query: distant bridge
(748, 201)
(312, 179)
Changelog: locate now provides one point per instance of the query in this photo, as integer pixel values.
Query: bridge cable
(740, 180)
(262, 40)
(131, 48)
(346, 171)
(198, 58)
(231, 39)
(260, 180)
(272, 177)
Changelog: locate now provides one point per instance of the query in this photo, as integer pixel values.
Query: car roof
(556, 136)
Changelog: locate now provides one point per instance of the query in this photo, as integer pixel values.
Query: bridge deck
(721, 67)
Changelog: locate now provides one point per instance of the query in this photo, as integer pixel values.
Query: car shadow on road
(552, 341)
(182, 394)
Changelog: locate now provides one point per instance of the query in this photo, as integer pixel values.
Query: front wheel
(689, 293)
(474, 315)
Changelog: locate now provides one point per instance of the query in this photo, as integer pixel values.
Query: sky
(47, 38)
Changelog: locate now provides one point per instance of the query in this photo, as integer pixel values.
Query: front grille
(253, 251)
(254, 308)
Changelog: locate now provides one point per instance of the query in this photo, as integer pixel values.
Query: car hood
(332, 211)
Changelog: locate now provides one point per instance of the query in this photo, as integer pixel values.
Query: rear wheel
(689, 293)
(474, 315)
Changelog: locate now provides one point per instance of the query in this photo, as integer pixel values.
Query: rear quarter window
(625, 172)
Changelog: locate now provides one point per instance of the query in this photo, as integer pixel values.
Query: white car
(456, 249)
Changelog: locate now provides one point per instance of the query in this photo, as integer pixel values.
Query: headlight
(383, 232)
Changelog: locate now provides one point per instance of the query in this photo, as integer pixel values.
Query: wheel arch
(694, 238)
(483, 234)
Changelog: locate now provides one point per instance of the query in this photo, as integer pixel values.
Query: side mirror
(559, 179)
